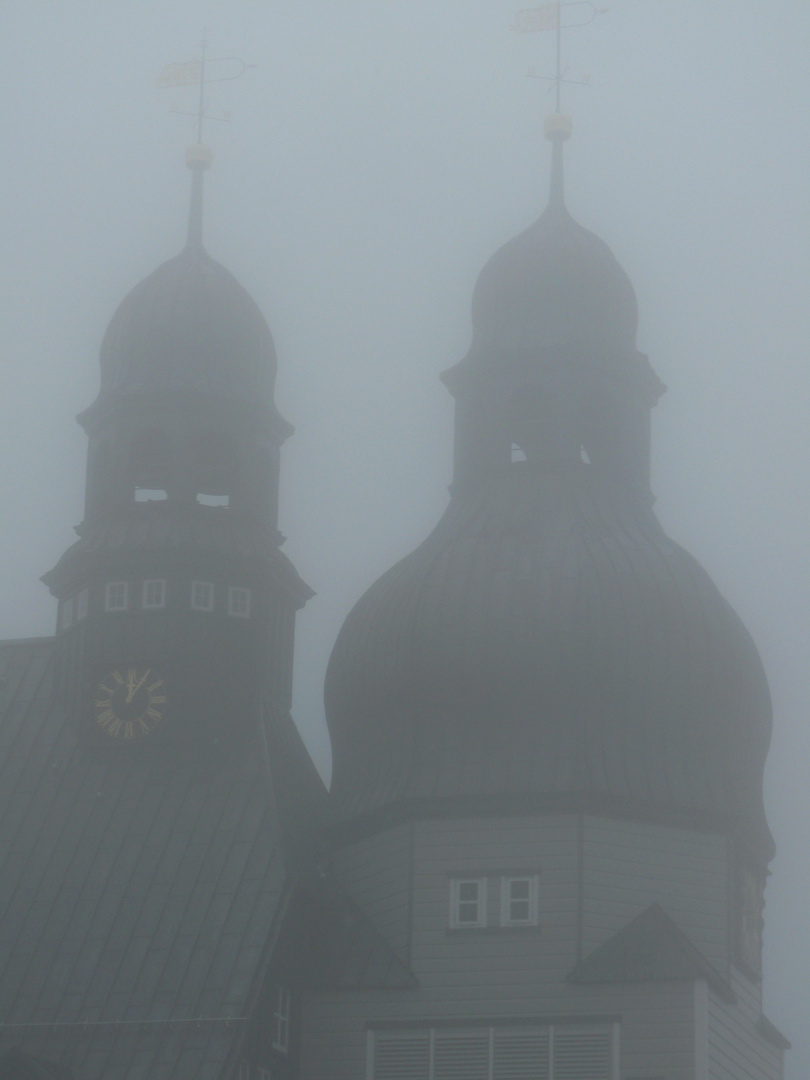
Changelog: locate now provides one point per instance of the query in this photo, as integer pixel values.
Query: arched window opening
(149, 465)
(518, 453)
(583, 453)
(216, 470)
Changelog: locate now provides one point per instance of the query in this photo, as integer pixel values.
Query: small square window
(81, 605)
(115, 596)
(519, 901)
(154, 593)
(281, 1021)
(67, 613)
(468, 902)
(239, 602)
(202, 596)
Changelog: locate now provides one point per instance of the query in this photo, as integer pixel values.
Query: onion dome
(189, 326)
(548, 645)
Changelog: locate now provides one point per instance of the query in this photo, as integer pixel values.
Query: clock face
(129, 703)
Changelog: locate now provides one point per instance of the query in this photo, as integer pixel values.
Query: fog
(377, 155)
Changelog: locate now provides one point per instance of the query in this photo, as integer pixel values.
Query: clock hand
(136, 688)
(129, 685)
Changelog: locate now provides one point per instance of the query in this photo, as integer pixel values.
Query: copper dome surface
(189, 325)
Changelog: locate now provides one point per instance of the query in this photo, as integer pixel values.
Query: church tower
(176, 605)
(549, 731)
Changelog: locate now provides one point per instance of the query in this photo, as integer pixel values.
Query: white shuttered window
(528, 1052)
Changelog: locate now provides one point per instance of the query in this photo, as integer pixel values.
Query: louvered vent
(402, 1055)
(530, 1052)
(580, 1055)
(521, 1055)
(461, 1055)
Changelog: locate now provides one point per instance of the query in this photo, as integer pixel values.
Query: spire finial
(557, 125)
(198, 157)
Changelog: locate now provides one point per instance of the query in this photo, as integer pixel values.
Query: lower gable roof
(137, 892)
(651, 948)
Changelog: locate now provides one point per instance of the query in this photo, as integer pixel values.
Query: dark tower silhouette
(177, 576)
(549, 728)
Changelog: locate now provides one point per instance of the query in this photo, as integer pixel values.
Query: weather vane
(201, 73)
(559, 16)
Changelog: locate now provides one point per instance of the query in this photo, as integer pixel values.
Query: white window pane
(154, 593)
(115, 596)
(239, 602)
(81, 605)
(202, 595)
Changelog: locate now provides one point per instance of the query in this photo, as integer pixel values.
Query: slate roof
(137, 893)
(176, 531)
(189, 326)
(651, 948)
(548, 639)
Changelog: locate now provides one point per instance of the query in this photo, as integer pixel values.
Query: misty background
(377, 156)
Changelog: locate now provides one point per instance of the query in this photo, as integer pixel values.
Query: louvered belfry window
(527, 1052)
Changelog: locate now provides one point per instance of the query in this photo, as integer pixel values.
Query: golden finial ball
(199, 156)
(558, 126)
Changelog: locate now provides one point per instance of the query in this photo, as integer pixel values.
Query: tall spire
(558, 129)
(198, 159)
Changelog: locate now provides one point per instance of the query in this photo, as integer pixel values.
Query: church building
(544, 851)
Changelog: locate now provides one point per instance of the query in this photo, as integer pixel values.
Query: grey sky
(378, 155)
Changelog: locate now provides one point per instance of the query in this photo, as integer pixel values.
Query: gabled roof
(338, 946)
(651, 948)
(137, 892)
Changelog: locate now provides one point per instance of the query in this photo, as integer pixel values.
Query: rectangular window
(154, 593)
(519, 901)
(115, 596)
(263, 1074)
(528, 1052)
(81, 605)
(244, 1070)
(281, 1021)
(468, 902)
(67, 613)
(202, 596)
(239, 602)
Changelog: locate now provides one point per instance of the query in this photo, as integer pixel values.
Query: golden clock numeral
(118, 677)
(153, 713)
(107, 716)
(115, 726)
(104, 704)
(144, 725)
(155, 685)
(155, 699)
(128, 730)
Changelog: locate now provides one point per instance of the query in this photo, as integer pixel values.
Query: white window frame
(209, 605)
(457, 899)
(111, 589)
(236, 595)
(281, 1020)
(148, 605)
(531, 900)
(82, 604)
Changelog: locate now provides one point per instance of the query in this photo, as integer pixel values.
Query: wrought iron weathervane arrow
(559, 16)
(201, 73)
